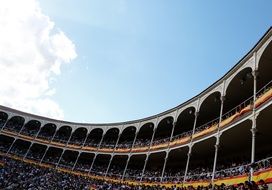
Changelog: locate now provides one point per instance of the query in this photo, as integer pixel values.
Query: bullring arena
(221, 136)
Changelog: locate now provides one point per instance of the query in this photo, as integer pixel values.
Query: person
(263, 185)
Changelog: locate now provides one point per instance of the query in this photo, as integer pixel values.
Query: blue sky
(139, 58)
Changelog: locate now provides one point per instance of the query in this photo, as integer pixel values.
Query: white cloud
(32, 51)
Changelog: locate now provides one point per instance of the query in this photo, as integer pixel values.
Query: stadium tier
(222, 135)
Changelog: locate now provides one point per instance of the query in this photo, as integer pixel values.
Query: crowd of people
(195, 173)
(16, 174)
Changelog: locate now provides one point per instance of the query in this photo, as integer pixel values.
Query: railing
(234, 171)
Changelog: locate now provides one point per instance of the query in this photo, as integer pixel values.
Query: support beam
(54, 134)
(164, 165)
(22, 127)
(112, 155)
(215, 159)
(76, 161)
(124, 173)
(60, 158)
(148, 153)
(168, 146)
(254, 126)
(108, 167)
(11, 146)
(217, 139)
(146, 159)
(5, 123)
(96, 152)
(187, 163)
(28, 150)
(69, 138)
(84, 141)
(47, 147)
(190, 145)
(38, 132)
(91, 167)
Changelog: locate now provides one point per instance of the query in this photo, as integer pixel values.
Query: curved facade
(230, 119)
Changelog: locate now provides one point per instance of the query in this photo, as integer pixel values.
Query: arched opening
(20, 147)
(94, 137)
(264, 76)
(231, 159)
(263, 148)
(15, 123)
(84, 162)
(68, 159)
(163, 131)
(110, 138)
(117, 166)
(127, 137)
(238, 92)
(145, 134)
(175, 165)
(5, 142)
(78, 136)
(3, 118)
(209, 111)
(201, 161)
(100, 164)
(63, 134)
(135, 167)
(31, 128)
(154, 167)
(185, 122)
(36, 152)
(47, 131)
(52, 155)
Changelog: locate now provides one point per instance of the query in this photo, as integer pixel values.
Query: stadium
(220, 136)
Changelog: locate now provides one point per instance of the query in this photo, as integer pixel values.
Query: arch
(117, 166)
(144, 135)
(78, 136)
(164, 129)
(5, 142)
(239, 89)
(31, 127)
(63, 134)
(209, 110)
(185, 121)
(135, 167)
(231, 155)
(15, 123)
(175, 165)
(154, 167)
(68, 158)
(36, 151)
(127, 137)
(101, 163)
(84, 161)
(201, 161)
(264, 135)
(20, 147)
(47, 131)
(265, 67)
(3, 118)
(94, 137)
(110, 138)
(52, 155)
